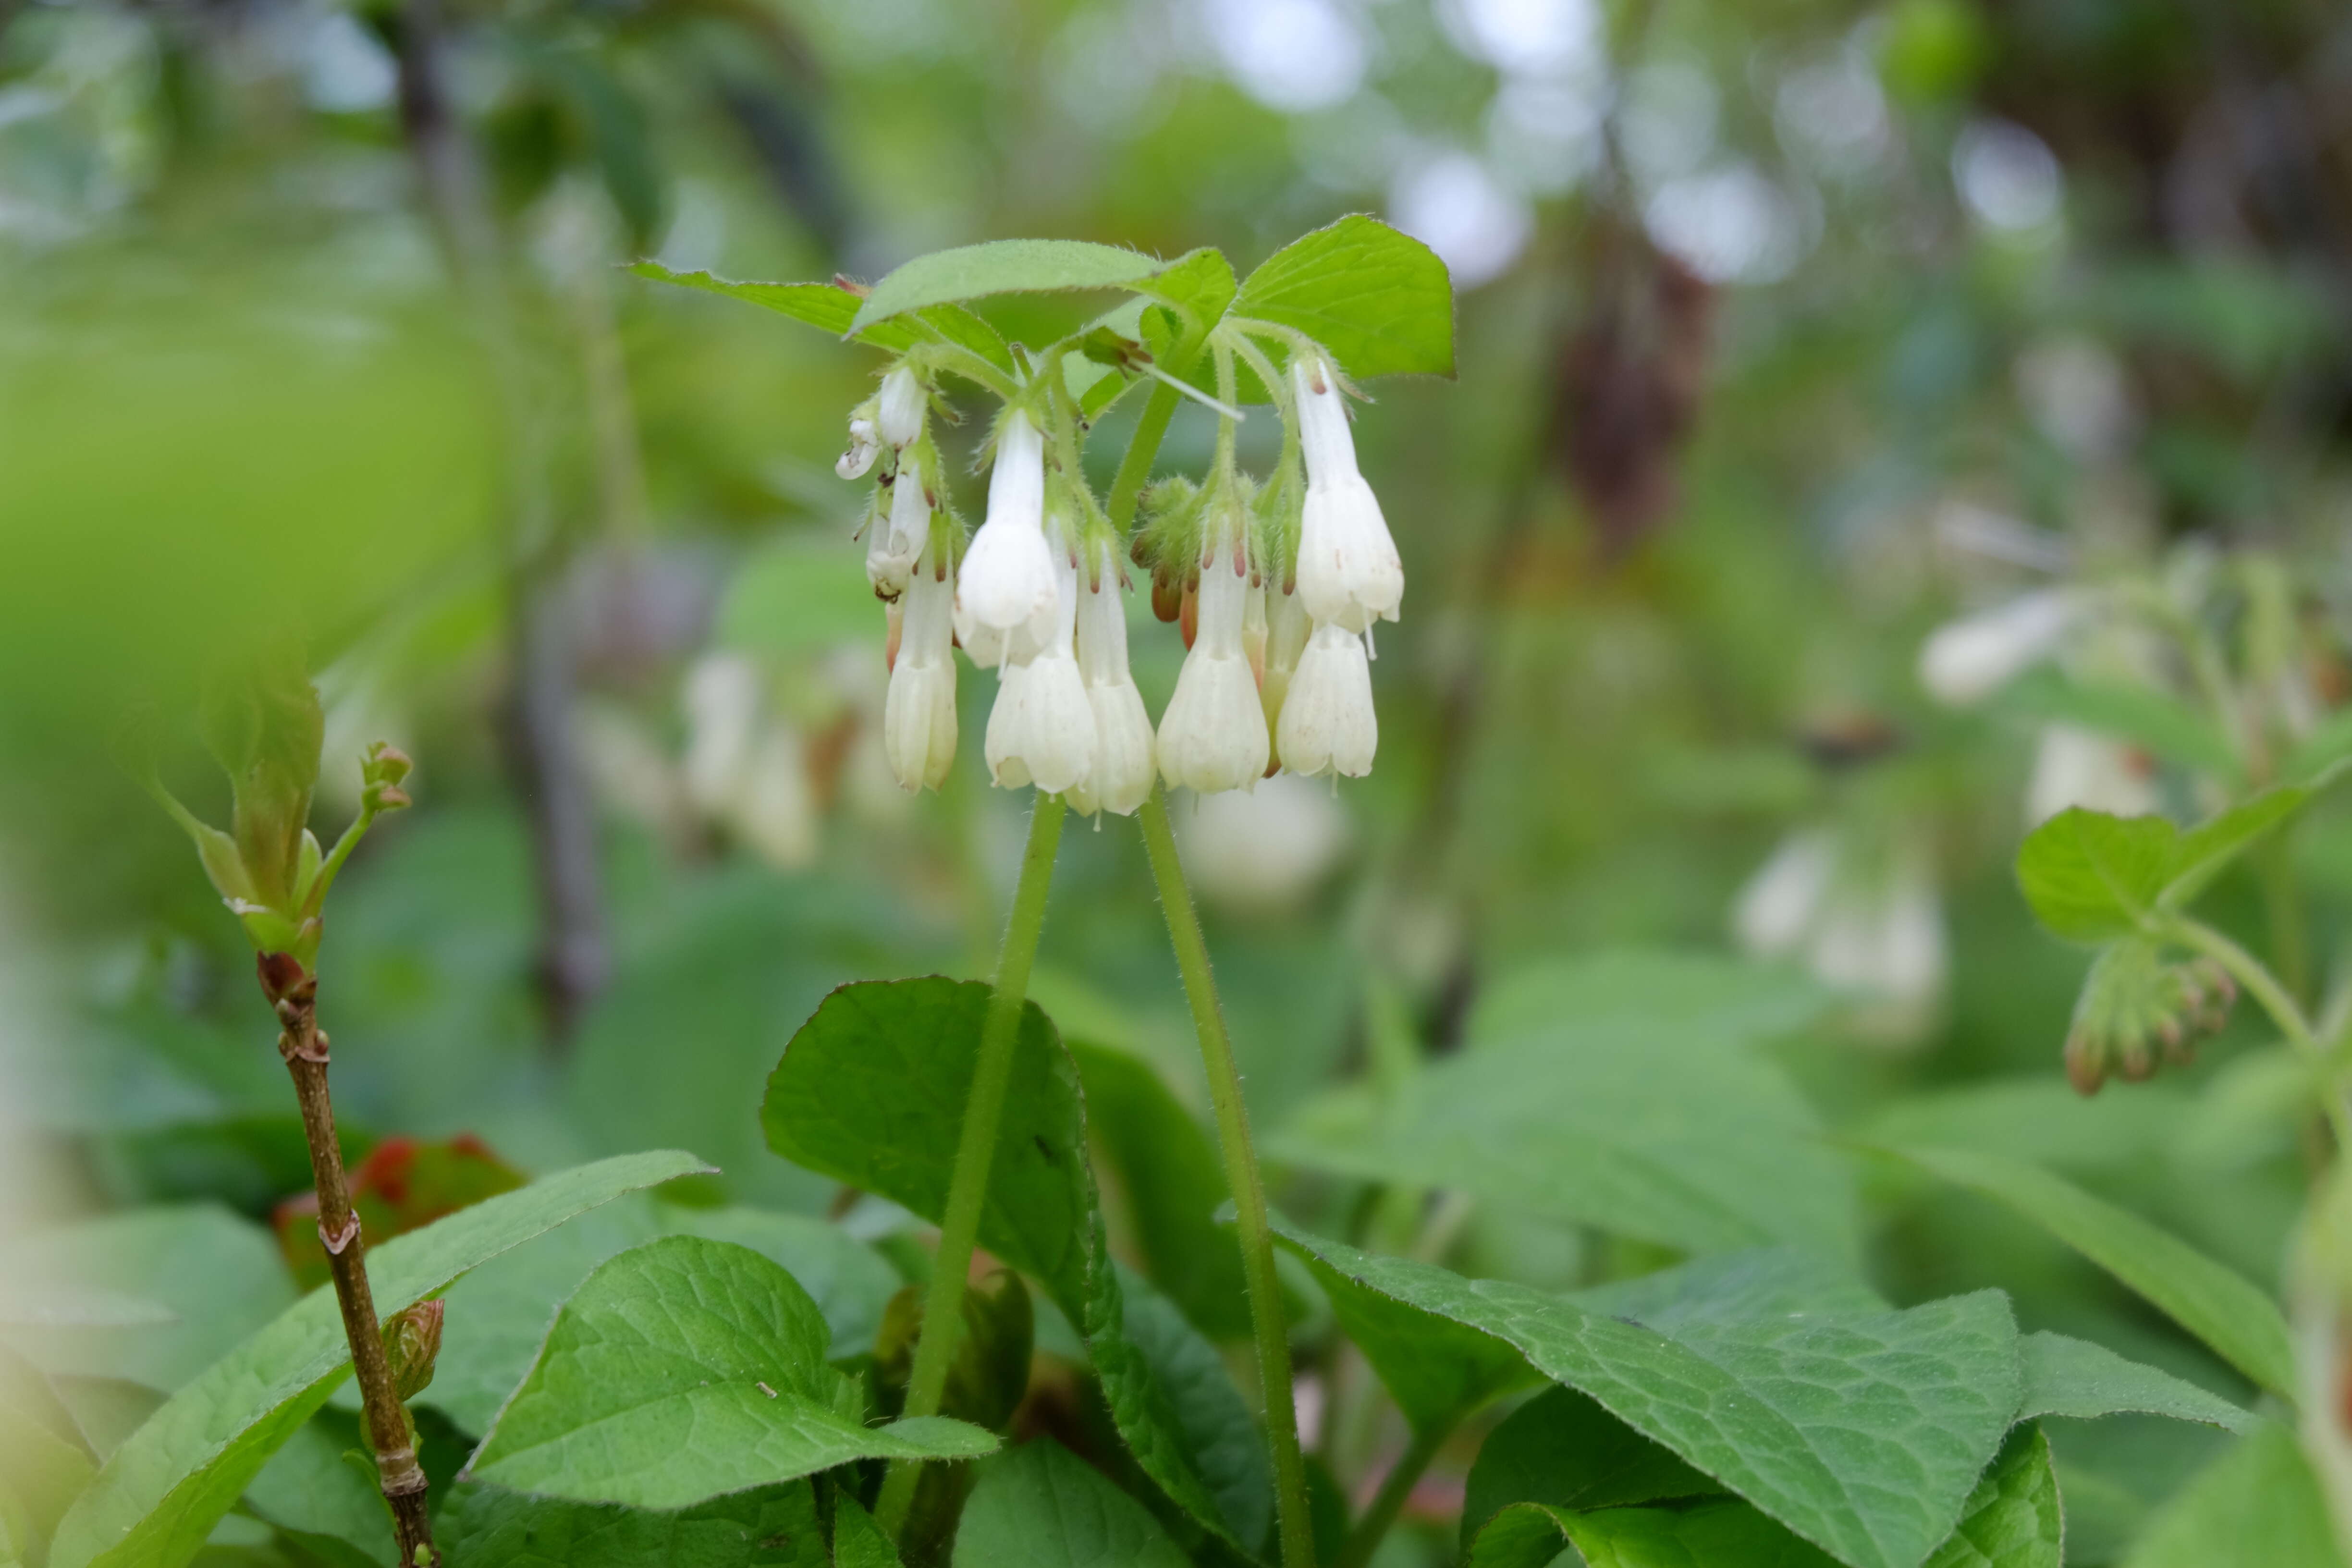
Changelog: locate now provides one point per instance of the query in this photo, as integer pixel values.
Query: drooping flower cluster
(1277, 589)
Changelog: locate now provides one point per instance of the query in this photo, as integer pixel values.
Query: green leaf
(1041, 1506)
(2076, 1378)
(1658, 990)
(986, 1382)
(795, 596)
(685, 1369)
(2212, 1302)
(832, 308)
(2090, 877)
(2013, 1518)
(1562, 1449)
(1377, 299)
(871, 1092)
(1437, 1371)
(78, 1306)
(321, 1483)
(857, 1540)
(1863, 1431)
(159, 1494)
(1168, 1170)
(1657, 1128)
(1001, 267)
(487, 1527)
(1530, 1535)
(2143, 715)
(44, 1460)
(2258, 1506)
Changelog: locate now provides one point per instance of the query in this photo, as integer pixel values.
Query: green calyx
(2139, 1011)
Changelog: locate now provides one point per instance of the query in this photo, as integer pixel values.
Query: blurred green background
(1788, 330)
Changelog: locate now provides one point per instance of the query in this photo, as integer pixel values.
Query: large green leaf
(831, 307)
(487, 1527)
(1655, 1129)
(1040, 1506)
(2092, 876)
(1865, 1432)
(1168, 1170)
(2211, 1302)
(321, 1483)
(2073, 1377)
(499, 1314)
(857, 1540)
(685, 1369)
(1379, 300)
(1655, 989)
(1530, 1535)
(1437, 1371)
(2013, 1518)
(1001, 267)
(1563, 1450)
(158, 1495)
(44, 1459)
(2258, 1506)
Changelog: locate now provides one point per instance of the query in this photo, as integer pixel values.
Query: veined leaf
(2090, 877)
(832, 308)
(1001, 267)
(1378, 300)
(2211, 1302)
(160, 1493)
(871, 1092)
(1563, 1450)
(857, 1540)
(1041, 1506)
(2013, 1518)
(1437, 1370)
(685, 1369)
(1863, 1432)
(1530, 1535)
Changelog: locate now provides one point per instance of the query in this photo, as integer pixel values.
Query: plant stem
(1251, 1223)
(2259, 982)
(1136, 467)
(1390, 1500)
(293, 994)
(942, 1324)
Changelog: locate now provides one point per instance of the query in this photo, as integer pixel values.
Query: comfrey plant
(1276, 583)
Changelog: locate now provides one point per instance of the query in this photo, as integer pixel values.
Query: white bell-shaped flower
(859, 456)
(1008, 574)
(1327, 724)
(1124, 756)
(893, 543)
(900, 408)
(1286, 631)
(1214, 735)
(1042, 730)
(919, 710)
(1969, 660)
(1349, 570)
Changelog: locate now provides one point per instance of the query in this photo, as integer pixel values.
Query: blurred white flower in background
(1870, 925)
(1528, 37)
(345, 68)
(1289, 55)
(2073, 766)
(1264, 849)
(1832, 112)
(2074, 389)
(1728, 224)
(1969, 660)
(1453, 204)
(2007, 175)
(746, 768)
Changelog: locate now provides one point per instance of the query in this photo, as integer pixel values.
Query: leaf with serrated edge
(1377, 299)
(2013, 1518)
(1001, 267)
(1436, 1369)
(2211, 1300)
(857, 1540)
(2076, 1378)
(160, 1493)
(682, 1371)
(871, 1092)
(1040, 1506)
(1863, 1432)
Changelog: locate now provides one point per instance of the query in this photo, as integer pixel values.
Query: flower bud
(1349, 570)
(1008, 574)
(2137, 1012)
(1214, 735)
(1124, 753)
(412, 1343)
(859, 456)
(1969, 660)
(900, 407)
(1327, 724)
(918, 710)
(1042, 730)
